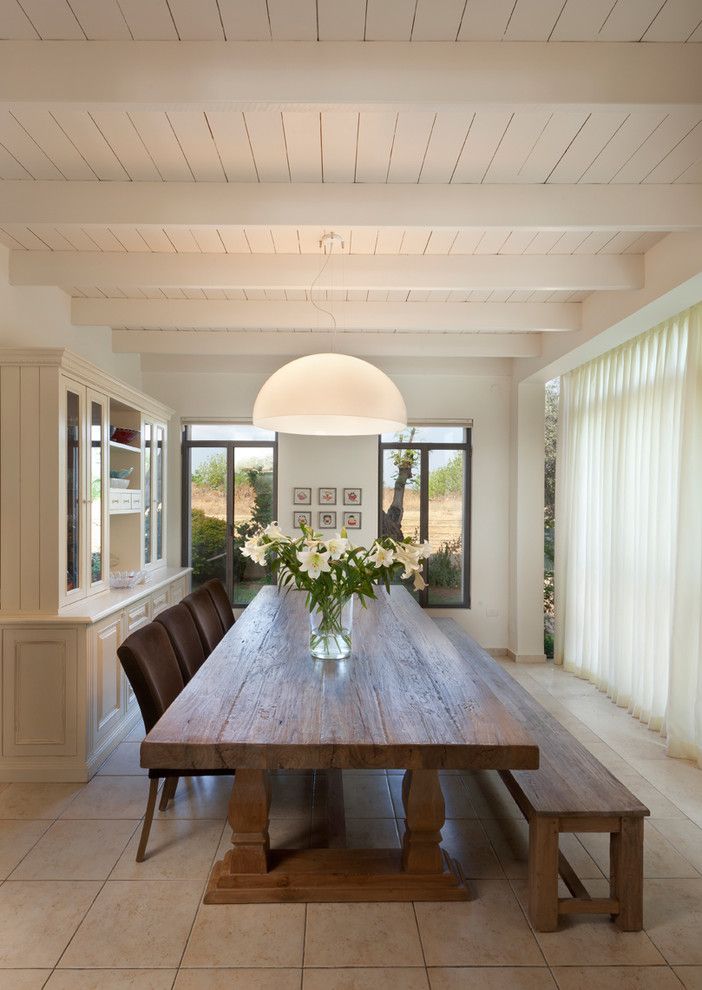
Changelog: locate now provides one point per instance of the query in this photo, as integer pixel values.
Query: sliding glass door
(229, 490)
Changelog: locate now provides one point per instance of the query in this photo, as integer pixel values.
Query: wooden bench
(570, 792)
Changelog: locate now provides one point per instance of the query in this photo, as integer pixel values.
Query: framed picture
(327, 520)
(352, 520)
(302, 496)
(352, 496)
(327, 496)
(300, 518)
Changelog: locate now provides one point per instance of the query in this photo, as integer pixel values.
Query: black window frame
(424, 448)
(230, 446)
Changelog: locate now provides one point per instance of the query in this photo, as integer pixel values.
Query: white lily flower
(313, 562)
(425, 549)
(336, 547)
(275, 533)
(381, 557)
(419, 582)
(254, 550)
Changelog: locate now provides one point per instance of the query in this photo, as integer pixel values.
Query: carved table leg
(248, 816)
(424, 816)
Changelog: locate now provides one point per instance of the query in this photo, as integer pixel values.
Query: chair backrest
(152, 669)
(207, 620)
(185, 639)
(219, 596)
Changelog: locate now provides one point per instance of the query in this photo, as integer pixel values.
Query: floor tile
(37, 800)
(111, 979)
(38, 919)
(489, 796)
(291, 795)
(482, 978)
(16, 839)
(135, 924)
(615, 978)
(178, 849)
(124, 760)
(684, 836)
(690, 976)
(467, 841)
(365, 979)
(673, 918)
(488, 931)
(368, 796)
(110, 797)
(238, 979)
(368, 935)
(200, 797)
(76, 850)
(247, 935)
(137, 733)
(24, 979)
(372, 833)
(661, 860)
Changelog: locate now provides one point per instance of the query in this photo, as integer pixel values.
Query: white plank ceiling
(600, 146)
(353, 20)
(598, 143)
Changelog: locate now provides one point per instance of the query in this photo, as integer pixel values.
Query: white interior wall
(40, 316)
(483, 397)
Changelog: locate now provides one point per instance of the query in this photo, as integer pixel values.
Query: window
(424, 492)
(229, 488)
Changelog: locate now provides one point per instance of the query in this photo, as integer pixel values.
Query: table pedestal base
(335, 875)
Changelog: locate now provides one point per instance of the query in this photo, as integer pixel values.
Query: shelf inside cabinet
(125, 446)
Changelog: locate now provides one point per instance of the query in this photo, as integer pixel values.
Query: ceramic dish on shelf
(126, 579)
(120, 434)
(125, 473)
(119, 482)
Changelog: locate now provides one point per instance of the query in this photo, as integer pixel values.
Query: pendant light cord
(316, 305)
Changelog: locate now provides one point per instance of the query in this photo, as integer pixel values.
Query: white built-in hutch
(66, 428)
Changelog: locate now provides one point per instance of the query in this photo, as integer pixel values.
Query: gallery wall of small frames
(326, 517)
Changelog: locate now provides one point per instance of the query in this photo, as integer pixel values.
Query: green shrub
(448, 479)
(445, 565)
(208, 540)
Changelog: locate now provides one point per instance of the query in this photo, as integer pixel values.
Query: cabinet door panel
(72, 496)
(138, 615)
(39, 675)
(108, 695)
(97, 565)
(159, 602)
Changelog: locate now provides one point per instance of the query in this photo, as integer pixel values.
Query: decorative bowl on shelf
(125, 473)
(126, 579)
(120, 434)
(119, 482)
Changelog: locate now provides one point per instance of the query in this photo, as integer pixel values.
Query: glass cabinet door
(97, 508)
(73, 397)
(148, 516)
(159, 466)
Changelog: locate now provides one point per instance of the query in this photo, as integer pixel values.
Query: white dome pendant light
(330, 394)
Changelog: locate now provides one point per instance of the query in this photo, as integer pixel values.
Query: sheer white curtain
(628, 532)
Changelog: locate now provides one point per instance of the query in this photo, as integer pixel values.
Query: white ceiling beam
(421, 345)
(330, 205)
(575, 273)
(218, 75)
(363, 316)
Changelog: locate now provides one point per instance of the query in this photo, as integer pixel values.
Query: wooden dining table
(405, 699)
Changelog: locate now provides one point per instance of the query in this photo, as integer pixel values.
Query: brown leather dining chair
(206, 618)
(152, 669)
(185, 639)
(219, 596)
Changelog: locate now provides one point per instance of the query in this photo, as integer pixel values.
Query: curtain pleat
(628, 581)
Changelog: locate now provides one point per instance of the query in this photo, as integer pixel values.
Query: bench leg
(626, 873)
(543, 873)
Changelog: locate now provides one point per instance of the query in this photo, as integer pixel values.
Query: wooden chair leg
(626, 873)
(168, 792)
(543, 873)
(148, 818)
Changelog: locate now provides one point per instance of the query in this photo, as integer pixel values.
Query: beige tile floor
(77, 913)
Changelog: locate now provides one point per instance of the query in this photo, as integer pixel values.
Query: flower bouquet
(332, 571)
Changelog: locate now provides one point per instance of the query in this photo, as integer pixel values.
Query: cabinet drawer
(177, 591)
(121, 500)
(135, 500)
(137, 615)
(159, 602)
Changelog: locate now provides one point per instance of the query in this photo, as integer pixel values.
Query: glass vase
(330, 629)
